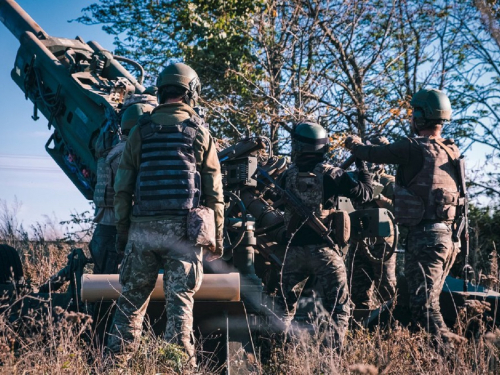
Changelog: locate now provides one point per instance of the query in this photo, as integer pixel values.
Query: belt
(432, 226)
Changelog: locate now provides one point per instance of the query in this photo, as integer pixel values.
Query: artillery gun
(81, 88)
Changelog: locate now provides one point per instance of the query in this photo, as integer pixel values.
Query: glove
(217, 253)
(121, 242)
(213, 255)
(352, 141)
(360, 164)
(219, 247)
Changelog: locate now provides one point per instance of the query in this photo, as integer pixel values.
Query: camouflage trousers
(371, 282)
(430, 253)
(151, 246)
(327, 265)
(103, 251)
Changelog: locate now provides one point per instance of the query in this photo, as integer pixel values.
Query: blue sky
(26, 170)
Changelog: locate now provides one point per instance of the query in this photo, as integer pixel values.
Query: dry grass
(62, 343)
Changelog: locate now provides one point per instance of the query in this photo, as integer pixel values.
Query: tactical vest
(308, 187)
(168, 182)
(104, 192)
(433, 193)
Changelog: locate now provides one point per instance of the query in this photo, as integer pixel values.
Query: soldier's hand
(209, 256)
(351, 141)
(213, 255)
(360, 164)
(121, 242)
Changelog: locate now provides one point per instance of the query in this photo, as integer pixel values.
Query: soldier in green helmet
(426, 201)
(317, 184)
(169, 164)
(102, 246)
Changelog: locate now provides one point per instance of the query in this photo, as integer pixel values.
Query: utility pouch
(446, 204)
(340, 223)
(201, 227)
(409, 209)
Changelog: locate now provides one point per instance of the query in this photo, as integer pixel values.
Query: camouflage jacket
(207, 163)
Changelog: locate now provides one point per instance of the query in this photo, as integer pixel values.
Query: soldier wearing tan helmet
(169, 164)
(102, 246)
(426, 202)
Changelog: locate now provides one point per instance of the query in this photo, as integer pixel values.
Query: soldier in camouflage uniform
(426, 200)
(317, 184)
(168, 165)
(102, 246)
(373, 282)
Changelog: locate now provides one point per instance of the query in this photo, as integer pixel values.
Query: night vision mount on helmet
(309, 138)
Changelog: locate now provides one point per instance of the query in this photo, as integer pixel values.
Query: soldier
(373, 281)
(168, 165)
(317, 184)
(426, 198)
(102, 246)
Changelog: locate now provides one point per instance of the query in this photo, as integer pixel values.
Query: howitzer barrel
(17, 20)
(80, 88)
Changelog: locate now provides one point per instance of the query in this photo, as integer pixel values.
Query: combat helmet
(309, 138)
(430, 107)
(132, 114)
(182, 79)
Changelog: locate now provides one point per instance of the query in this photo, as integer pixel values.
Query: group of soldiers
(166, 164)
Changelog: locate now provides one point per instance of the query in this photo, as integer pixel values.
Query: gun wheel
(381, 249)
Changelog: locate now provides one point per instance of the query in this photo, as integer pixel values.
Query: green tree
(212, 36)
(354, 65)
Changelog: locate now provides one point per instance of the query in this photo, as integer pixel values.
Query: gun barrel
(17, 20)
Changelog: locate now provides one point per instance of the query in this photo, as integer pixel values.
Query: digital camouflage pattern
(430, 251)
(102, 246)
(104, 191)
(373, 283)
(201, 227)
(308, 187)
(429, 255)
(302, 262)
(151, 246)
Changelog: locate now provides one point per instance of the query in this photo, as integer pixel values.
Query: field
(63, 344)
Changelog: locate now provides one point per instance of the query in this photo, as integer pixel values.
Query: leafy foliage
(352, 65)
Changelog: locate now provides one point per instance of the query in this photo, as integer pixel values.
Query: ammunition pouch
(340, 224)
(446, 204)
(409, 208)
(201, 227)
